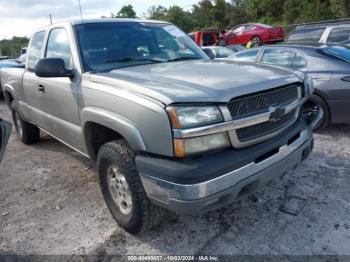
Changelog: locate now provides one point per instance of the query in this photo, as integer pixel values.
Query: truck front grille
(259, 102)
(255, 132)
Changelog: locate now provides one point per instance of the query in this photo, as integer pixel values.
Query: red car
(257, 33)
(206, 37)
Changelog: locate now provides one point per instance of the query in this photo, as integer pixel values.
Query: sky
(22, 17)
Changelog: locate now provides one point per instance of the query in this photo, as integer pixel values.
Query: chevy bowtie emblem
(276, 113)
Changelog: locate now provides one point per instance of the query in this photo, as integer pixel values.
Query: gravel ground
(50, 203)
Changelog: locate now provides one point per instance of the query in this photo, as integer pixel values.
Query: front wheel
(313, 104)
(122, 189)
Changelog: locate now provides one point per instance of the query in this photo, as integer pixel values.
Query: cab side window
(278, 57)
(34, 51)
(58, 47)
(247, 56)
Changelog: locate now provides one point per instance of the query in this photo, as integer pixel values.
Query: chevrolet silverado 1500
(168, 128)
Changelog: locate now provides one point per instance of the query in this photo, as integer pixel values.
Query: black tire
(27, 132)
(143, 214)
(256, 41)
(314, 102)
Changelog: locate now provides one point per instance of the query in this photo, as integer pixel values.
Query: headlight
(193, 116)
(309, 85)
(185, 117)
(190, 146)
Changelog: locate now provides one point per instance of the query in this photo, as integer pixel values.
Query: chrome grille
(260, 102)
(265, 109)
(256, 131)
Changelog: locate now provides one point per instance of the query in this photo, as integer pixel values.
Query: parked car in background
(254, 32)
(206, 37)
(3, 57)
(235, 48)
(320, 34)
(9, 63)
(218, 52)
(329, 67)
(167, 127)
(345, 43)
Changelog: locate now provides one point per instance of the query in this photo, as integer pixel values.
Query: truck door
(59, 95)
(29, 95)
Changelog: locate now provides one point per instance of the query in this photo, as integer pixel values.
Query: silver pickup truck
(168, 128)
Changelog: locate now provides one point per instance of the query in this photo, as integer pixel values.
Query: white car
(320, 34)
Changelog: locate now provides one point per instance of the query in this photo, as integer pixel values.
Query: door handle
(41, 88)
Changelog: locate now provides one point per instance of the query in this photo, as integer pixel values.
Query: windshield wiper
(183, 58)
(130, 59)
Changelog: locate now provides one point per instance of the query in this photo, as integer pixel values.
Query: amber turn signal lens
(173, 118)
(179, 148)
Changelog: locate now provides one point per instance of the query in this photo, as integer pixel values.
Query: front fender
(114, 121)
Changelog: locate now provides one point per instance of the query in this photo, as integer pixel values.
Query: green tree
(202, 14)
(181, 18)
(12, 47)
(127, 11)
(174, 14)
(340, 8)
(157, 12)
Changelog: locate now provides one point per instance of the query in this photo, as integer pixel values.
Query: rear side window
(278, 57)
(238, 29)
(306, 35)
(339, 34)
(58, 46)
(208, 39)
(247, 56)
(34, 51)
(249, 27)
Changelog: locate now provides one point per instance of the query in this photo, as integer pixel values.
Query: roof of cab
(99, 20)
(115, 20)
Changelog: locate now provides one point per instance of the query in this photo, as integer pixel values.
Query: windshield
(112, 45)
(339, 52)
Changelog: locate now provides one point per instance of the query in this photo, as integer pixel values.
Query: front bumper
(202, 196)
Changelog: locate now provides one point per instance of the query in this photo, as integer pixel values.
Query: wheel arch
(9, 94)
(101, 126)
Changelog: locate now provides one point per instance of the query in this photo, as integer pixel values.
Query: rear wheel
(122, 189)
(27, 132)
(256, 41)
(313, 104)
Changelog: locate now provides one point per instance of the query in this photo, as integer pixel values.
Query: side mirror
(5, 131)
(52, 67)
(209, 53)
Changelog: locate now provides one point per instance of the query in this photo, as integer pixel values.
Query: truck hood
(197, 80)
